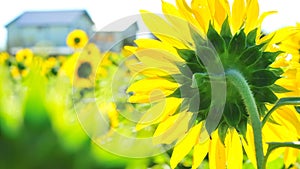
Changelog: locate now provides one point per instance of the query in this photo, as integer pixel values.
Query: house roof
(40, 18)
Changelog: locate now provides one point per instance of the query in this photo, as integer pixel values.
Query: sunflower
(77, 39)
(204, 53)
(86, 67)
(24, 56)
(4, 58)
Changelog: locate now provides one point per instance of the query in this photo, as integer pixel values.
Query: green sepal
(222, 131)
(251, 55)
(278, 89)
(297, 108)
(187, 55)
(267, 58)
(194, 103)
(198, 39)
(217, 41)
(225, 31)
(184, 91)
(199, 79)
(242, 127)
(264, 94)
(271, 56)
(176, 78)
(237, 44)
(263, 78)
(232, 114)
(206, 53)
(251, 37)
(194, 67)
(277, 71)
(205, 100)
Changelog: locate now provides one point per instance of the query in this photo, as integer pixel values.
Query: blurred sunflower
(4, 57)
(24, 58)
(77, 39)
(174, 76)
(50, 66)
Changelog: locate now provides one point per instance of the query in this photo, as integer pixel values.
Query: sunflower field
(211, 90)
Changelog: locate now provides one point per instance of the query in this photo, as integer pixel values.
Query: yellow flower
(86, 67)
(24, 56)
(172, 75)
(49, 66)
(4, 56)
(77, 39)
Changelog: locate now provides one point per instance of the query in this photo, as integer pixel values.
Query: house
(45, 32)
(116, 35)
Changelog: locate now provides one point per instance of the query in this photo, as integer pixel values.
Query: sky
(104, 12)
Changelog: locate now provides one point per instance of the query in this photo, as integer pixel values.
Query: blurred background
(39, 127)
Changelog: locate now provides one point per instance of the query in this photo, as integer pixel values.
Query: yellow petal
(221, 14)
(290, 156)
(172, 128)
(251, 15)
(187, 13)
(249, 145)
(156, 58)
(148, 85)
(155, 44)
(203, 13)
(161, 29)
(159, 112)
(217, 156)
(140, 68)
(200, 152)
(234, 151)
(238, 14)
(183, 147)
(179, 23)
(201, 148)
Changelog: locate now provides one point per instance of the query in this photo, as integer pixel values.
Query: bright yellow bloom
(77, 39)
(171, 77)
(4, 56)
(24, 56)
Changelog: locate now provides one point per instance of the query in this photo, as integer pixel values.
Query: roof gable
(40, 18)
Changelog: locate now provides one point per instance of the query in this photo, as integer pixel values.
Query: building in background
(45, 32)
(116, 35)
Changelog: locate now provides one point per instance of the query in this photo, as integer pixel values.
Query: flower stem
(238, 80)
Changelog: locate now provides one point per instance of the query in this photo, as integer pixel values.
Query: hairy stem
(238, 80)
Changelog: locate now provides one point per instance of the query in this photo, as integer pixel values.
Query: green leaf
(263, 78)
(225, 31)
(251, 37)
(264, 94)
(251, 55)
(222, 131)
(237, 44)
(278, 89)
(232, 114)
(282, 102)
(217, 41)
